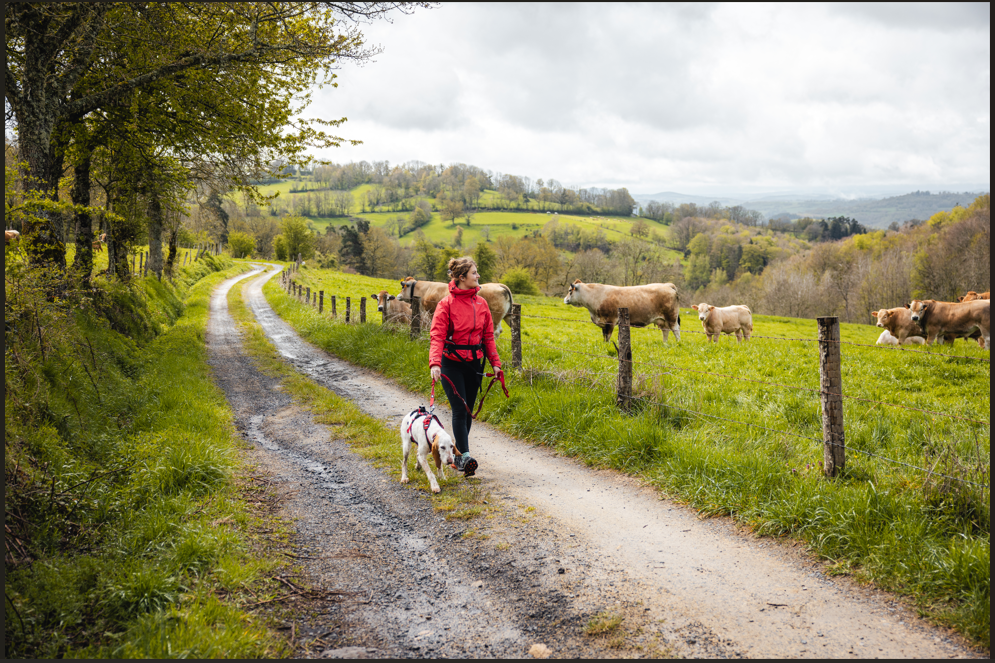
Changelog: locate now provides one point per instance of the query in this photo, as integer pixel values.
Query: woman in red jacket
(462, 336)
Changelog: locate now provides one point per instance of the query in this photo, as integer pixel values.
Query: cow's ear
(694, 306)
(390, 298)
(577, 281)
(909, 306)
(874, 314)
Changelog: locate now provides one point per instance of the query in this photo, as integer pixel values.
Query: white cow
(725, 320)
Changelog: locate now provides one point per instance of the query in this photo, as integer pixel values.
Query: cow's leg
(606, 331)
(739, 335)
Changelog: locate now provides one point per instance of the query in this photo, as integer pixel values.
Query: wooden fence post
(308, 295)
(348, 309)
(362, 309)
(415, 317)
(321, 301)
(516, 335)
(624, 398)
(831, 386)
(334, 312)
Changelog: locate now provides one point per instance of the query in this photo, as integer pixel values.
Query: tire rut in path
(703, 588)
(411, 586)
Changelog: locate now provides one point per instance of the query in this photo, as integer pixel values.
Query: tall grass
(123, 521)
(899, 527)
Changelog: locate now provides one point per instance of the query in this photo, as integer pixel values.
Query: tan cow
(952, 318)
(430, 293)
(397, 311)
(736, 320)
(653, 303)
(11, 236)
(973, 296)
(898, 323)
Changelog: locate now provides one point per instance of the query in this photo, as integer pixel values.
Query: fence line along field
(736, 428)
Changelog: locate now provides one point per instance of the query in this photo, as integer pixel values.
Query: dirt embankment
(561, 545)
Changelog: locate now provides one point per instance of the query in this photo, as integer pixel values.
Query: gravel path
(575, 542)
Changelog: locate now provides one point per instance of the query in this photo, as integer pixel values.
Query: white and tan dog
(431, 439)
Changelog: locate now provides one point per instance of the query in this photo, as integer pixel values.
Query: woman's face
(471, 280)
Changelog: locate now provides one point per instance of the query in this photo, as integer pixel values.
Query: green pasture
(735, 430)
(100, 258)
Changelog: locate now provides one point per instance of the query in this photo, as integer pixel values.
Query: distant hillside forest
(882, 213)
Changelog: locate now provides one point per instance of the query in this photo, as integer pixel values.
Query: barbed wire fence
(830, 393)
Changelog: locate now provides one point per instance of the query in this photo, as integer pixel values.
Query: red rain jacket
(471, 323)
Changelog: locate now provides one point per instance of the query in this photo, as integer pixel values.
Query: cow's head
(703, 310)
(883, 317)
(574, 290)
(382, 298)
(407, 289)
(969, 297)
(919, 309)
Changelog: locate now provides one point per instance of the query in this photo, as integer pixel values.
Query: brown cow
(430, 293)
(952, 318)
(973, 296)
(397, 311)
(11, 236)
(736, 320)
(654, 303)
(898, 322)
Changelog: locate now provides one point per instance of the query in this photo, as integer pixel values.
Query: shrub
(241, 245)
(519, 281)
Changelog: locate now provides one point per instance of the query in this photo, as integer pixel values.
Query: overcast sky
(665, 97)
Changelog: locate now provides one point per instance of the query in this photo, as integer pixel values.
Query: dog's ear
(435, 443)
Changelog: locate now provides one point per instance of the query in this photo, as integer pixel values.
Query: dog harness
(427, 417)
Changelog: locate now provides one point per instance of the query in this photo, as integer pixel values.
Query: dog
(424, 430)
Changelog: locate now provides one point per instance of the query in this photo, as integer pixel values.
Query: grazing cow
(397, 311)
(430, 293)
(11, 236)
(952, 318)
(654, 303)
(726, 320)
(899, 325)
(972, 296)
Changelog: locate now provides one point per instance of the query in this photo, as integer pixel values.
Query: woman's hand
(436, 372)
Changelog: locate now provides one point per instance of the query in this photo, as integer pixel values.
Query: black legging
(466, 377)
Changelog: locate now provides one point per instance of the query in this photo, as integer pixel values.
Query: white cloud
(679, 97)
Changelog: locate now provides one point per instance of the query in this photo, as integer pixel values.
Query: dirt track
(573, 542)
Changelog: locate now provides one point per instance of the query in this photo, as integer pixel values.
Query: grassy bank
(735, 430)
(127, 531)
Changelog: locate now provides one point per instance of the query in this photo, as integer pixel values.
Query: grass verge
(883, 522)
(128, 529)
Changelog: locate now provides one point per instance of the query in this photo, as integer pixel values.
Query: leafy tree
(486, 261)
(426, 257)
(458, 238)
(380, 253)
(68, 61)
(280, 248)
(241, 245)
(451, 210)
(640, 228)
(298, 237)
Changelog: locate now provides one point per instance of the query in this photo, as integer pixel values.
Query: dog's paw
(436, 489)
(405, 480)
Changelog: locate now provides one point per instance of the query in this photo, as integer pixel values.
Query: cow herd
(919, 322)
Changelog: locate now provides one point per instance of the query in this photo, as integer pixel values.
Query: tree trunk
(83, 262)
(171, 259)
(155, 235)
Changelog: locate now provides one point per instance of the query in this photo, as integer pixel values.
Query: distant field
(736, 429)
(499, 223)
